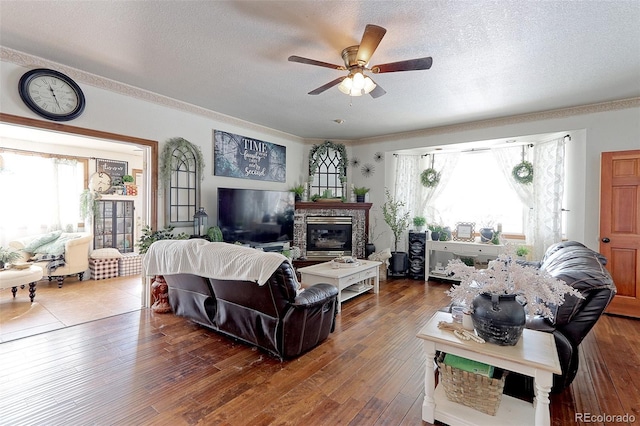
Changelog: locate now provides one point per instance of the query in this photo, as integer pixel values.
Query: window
(43, 201)
(478, 192)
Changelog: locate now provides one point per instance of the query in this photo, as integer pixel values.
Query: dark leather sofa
(584, 270)
(272, 316)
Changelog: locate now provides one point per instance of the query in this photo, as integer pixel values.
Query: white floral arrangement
(536, 288)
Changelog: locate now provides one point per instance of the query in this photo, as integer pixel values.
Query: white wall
(117, 113)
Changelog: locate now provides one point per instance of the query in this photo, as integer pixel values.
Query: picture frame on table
(464, 231)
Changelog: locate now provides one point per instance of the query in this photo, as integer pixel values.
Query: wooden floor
(146, 368)
(76, 302)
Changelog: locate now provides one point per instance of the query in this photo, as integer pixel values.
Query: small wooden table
(20, 277)
(350, 280)
(535, 355)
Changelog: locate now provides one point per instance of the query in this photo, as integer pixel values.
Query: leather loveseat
(584, 270)
(275, 315)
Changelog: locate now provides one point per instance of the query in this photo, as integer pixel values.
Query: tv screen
(253, 216)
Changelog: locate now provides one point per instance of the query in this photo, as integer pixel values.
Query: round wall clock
(100, 182)
(51, 94)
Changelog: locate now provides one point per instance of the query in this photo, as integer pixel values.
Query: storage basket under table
(101, 269)
(473, 390)
(129, 264)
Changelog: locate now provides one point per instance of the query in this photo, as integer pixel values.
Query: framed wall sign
(464, 231)
(114, 168)
(245, 158)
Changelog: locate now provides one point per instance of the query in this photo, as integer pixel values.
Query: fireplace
(329, 236)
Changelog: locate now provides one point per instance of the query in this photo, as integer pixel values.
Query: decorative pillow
(41, 240)
(106, 253)
(57, 246)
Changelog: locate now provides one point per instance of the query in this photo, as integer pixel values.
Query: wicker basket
(473, 390)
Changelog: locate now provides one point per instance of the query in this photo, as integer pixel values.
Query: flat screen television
(254, 216)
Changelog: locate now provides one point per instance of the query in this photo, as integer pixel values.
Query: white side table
(12, 278)
(535, 355)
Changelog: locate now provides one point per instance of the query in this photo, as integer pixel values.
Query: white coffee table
(350, 280)
(12, 278)
(535, 355)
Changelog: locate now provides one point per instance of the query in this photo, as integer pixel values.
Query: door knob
(606, 240)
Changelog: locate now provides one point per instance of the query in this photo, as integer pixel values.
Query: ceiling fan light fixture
(356, 84)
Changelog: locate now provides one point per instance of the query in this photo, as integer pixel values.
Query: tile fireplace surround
(359, 213)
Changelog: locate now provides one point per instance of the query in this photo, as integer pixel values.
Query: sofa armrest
(315, 295)
(76, 253)
(539, 323)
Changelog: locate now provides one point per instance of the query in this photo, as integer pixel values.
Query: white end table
(535, 355)
(12, 278)
(350, 281)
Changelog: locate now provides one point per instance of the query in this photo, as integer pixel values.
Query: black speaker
(417, 248)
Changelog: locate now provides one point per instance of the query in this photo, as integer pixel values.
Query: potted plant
(398, 222)
(501, 295)
(149, 236)
(360, 193)
(298, 190)
(89, 206)
(8, 255)
(522, 252)
(419, 222)
(435, 231)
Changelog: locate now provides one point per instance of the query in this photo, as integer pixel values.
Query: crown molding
(30, 61)
(505, 121)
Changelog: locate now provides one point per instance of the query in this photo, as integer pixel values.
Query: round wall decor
(51, 94)
(430, 177)
(523, 173)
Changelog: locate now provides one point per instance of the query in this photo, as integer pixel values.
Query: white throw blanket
(222, 261)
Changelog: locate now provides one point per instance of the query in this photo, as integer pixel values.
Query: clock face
(51, 94)
(101, 182)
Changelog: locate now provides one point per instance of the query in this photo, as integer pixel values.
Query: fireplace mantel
(316, 205)
(358, 211)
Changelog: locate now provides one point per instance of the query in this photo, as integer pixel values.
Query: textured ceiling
(490, 58)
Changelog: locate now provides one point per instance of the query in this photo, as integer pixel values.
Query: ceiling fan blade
(329, 85)
(408, 65)
(377, 92)
(302, 60)
(370, 40)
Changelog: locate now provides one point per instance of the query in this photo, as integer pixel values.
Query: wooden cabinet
(114, 227)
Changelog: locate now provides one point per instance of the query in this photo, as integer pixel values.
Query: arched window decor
(327, 169)
(181, 171)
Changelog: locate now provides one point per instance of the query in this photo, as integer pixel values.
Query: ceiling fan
(356, 60)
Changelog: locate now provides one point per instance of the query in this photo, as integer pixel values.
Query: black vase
(360, 198)
(486, 234)
(369, 249)
(498, 319)
(435, 235)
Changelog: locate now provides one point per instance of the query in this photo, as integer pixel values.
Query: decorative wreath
(523, 173)
(430, 178)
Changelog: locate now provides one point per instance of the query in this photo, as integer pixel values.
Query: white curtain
(44, 194)
(548, 189)
(543, 196)
(409, 189)
(507, 159)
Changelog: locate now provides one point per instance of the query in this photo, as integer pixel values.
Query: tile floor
(76, 302)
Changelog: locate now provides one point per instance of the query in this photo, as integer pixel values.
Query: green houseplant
(419, 222)
(398, 222)
(298, 190)
(89, 206)
(8, 255)
(360, 192)
(149, 236)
